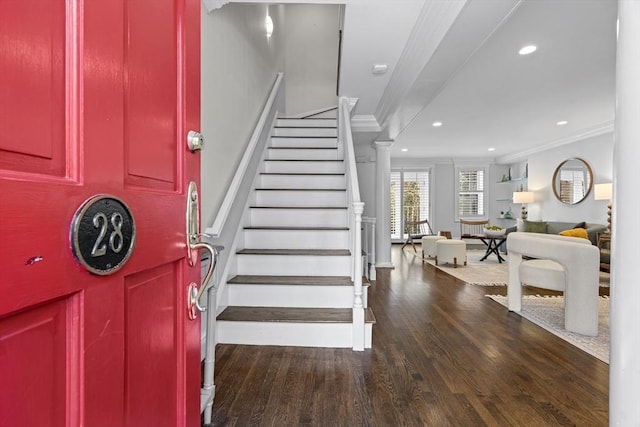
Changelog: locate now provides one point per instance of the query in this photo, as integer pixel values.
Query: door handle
(195, 291)
(194, 244)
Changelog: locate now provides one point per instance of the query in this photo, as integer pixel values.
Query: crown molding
(590, 132)
(365, 123)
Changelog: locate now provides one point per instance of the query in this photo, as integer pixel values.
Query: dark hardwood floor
(443, 355)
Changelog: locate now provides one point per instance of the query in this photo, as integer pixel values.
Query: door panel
(32, 35)
(98, 100)
(151, 95)
(150, 356)
(37, 366)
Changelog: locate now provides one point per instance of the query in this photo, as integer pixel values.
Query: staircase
(293, 285)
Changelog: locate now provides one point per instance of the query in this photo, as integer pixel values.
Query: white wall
(443, 200)
(239, 66)
(311, 57)
(598, 153)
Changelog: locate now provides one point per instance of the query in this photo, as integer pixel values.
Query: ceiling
(457, 62)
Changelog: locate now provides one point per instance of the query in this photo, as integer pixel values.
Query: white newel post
(624, 382)
(358, 304)
(383, 204)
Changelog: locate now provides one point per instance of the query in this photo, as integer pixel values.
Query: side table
(604, 244)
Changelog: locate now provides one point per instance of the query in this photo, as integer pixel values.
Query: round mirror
(572, 181)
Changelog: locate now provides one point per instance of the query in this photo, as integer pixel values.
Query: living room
(539, 166)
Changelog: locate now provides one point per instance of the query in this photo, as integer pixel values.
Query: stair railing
(355, 207)
(369, 246)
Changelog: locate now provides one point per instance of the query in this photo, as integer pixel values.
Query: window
(409, 200)
(572, 186)
(471, 187)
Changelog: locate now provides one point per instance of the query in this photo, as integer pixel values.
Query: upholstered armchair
(567, 264)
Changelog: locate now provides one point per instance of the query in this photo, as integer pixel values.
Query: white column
(624, 382)
(383, 204)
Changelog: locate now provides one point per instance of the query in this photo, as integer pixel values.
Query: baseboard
(385, 265)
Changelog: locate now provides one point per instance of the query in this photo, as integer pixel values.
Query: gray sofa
(555, 227)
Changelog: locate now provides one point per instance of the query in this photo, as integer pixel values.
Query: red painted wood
(32, 47)
(150, 307)
(114, 92)
(150, 97)
(33, 365)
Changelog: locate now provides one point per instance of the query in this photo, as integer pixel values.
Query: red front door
(97, 97)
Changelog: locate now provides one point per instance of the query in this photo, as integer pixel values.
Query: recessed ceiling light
(526, 50)
(562, 123)
(491, 149)
(436, 124)
(404, 149)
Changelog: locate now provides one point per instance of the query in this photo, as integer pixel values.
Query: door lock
(195, 141)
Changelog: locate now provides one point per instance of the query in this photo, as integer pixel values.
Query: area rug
(488, 272)
(548, 313)
(483, 273)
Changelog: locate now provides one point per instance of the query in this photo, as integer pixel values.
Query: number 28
(116, 240)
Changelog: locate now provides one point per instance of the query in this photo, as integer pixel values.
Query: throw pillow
(575, 232)
(535, 226)
(581, 225)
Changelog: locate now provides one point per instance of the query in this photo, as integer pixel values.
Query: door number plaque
(103, 234)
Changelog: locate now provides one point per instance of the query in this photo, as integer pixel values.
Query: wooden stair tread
(292, 314)
(300, 228)
(302, 160)
(298, 207)
(313, 252)
(297, 147)
(301, 189)
(292, 280)
(305, 136)
(309, 116)
(303, 173)
(305, 127)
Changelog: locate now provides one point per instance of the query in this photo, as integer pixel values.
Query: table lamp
(604, 192)
(523, 197)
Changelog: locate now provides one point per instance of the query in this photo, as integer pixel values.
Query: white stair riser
(303, 154)
(298, 217)
(328, 142)
(291, 296)
(332, 335)
(307, 122)
(298, 131)
(285, 166)
(303, 181)
(296, 239)
(293, 198)
(293, 265)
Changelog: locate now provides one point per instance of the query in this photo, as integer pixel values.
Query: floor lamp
(604, 192)
(523, 197)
